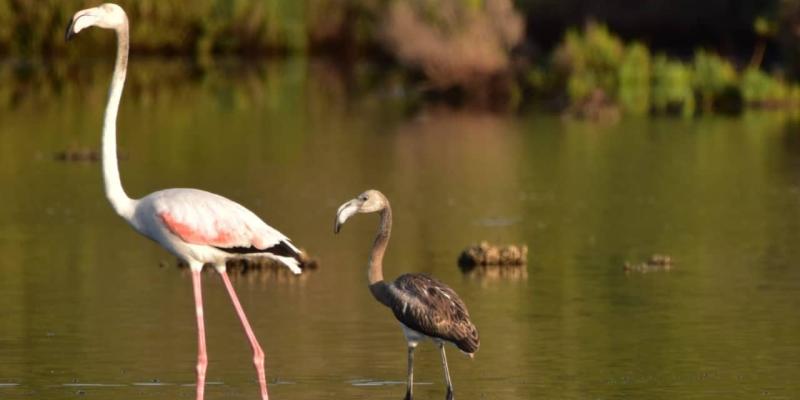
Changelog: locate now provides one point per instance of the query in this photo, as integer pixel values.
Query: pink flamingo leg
(258, 353)
(202, 357)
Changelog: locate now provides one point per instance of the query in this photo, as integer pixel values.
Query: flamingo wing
(429, 306)
(204, 218)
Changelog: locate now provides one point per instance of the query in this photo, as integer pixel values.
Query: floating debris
(76, 155)
(83, 154)
(484, 253)
(656, 262)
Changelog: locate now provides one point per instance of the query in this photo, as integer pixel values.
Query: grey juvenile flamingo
(197, 226)
(425, 307)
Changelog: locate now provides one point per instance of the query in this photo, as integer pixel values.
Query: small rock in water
(656, 262)
(484, 253)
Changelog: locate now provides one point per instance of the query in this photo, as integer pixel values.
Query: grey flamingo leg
(258, 353)
(202, 357)
(446, 373)
(410, 387)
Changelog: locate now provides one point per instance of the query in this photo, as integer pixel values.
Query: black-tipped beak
(73, 27)
(344, 212)
(70, 33)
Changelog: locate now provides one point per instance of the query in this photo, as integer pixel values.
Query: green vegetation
(711, 76)
(29, 27)
(589, 60)
(595, 64)
(760, 89)
(672, 87)
(634, 79)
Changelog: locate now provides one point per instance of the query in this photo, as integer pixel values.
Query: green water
(91, 309)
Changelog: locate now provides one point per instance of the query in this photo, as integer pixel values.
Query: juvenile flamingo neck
(122, 204)
(375, 272)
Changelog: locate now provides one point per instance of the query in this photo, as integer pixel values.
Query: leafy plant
(634, 79)
(711, 76)
(590, 59)
(672, 86)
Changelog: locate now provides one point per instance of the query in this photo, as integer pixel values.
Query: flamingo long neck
(375, 272)
(122, 204)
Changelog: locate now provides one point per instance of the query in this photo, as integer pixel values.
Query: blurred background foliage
(658, 56)
(594, 60)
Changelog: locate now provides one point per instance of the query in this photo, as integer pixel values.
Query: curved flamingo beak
(345, 211)
(81, 20)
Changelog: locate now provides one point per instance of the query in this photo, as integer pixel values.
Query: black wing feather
(281, 249)
(429, 306)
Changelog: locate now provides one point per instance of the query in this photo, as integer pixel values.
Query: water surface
(90, 308)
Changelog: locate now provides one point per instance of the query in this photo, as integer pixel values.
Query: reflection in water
(83, 300)
(498, 272)
(367, 382)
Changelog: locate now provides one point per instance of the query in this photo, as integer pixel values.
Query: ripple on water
(88, 385)
(154, 384)
(372, 382)
(193, 384)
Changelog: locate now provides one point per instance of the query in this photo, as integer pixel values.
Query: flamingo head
(107, 16)
(367, 202)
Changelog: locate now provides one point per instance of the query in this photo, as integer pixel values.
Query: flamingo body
(205, 228)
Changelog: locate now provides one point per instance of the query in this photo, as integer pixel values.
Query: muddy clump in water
(485, 253)
(656, 262)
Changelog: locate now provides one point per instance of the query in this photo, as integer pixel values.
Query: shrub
(711, 76)
(672, 86)
(589, 60)
(634, 79)
(454, 43)
(762, 90)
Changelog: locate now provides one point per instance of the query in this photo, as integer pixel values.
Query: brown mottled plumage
(434, 309)
(424, 306)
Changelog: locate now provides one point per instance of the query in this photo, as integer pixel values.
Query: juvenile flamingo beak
(69, 34)
(82, 19)
(345, 211)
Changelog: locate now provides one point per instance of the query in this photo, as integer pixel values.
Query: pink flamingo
(197, 226)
